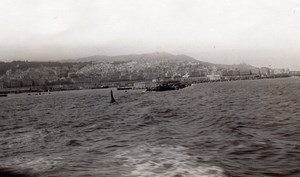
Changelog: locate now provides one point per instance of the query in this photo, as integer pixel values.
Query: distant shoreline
(48, 89)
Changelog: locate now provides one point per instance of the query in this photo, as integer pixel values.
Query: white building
(214, 77)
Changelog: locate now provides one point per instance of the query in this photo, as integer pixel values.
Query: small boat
(3, 95)
(124, 88)
(100, 87)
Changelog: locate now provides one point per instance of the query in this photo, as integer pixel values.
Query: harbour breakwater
(159, 86)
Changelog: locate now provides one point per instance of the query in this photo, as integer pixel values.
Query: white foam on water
(43, 164)
(38, 164)
(165, 161)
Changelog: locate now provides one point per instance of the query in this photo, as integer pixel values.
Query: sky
(257, 32)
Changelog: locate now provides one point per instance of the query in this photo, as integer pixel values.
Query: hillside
(242, 66)
(149, 57)
(115, 68)
(156, 57)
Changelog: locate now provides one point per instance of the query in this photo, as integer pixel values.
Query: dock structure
(169, 85)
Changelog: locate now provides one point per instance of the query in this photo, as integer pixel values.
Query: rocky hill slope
(113, 68)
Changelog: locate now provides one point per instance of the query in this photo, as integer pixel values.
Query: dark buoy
(112, 99)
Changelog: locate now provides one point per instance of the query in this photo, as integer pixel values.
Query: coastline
(69, 87)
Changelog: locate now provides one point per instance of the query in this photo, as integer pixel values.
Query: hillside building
(214, 77)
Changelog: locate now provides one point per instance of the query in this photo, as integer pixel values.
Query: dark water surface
(243, 128)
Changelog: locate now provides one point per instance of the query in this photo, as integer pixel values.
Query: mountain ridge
(155, 57)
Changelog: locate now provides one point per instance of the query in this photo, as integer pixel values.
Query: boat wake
(165, 161)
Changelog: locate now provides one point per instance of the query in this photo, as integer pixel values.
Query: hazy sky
(258, 32)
